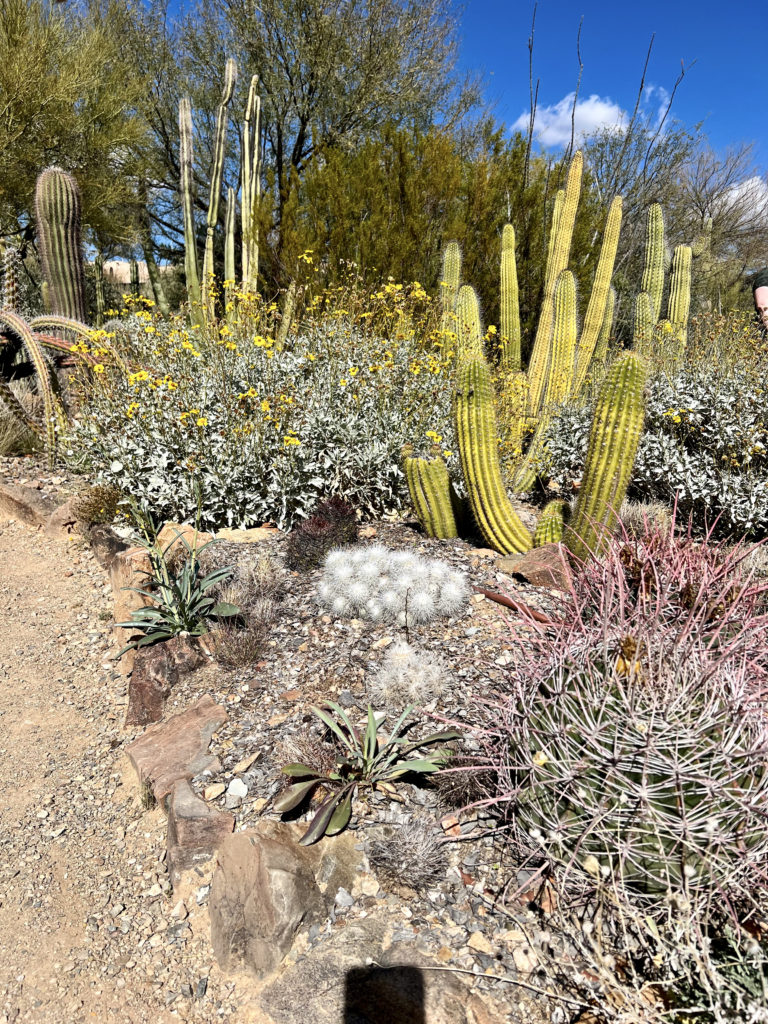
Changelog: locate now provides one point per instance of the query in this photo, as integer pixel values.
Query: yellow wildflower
(98, 368)
(201, 421)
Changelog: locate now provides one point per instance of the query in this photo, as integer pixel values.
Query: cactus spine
(186, 164)
(613, 440)
(680, 292)
(217, 171)
(429, 486)
(560, 248)
(593, 318)
(470, 334)
(551, 525)
(653, 271)
(251, 192)
(57, 210)
(509, 320)
(478, 448)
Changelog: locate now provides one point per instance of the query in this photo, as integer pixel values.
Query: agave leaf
(371, 735)
(334, 727)
(296, 769)
(353, 732)
(294, 795)
(419, 765)
(322, 819)
(398, 725)
(341, 816)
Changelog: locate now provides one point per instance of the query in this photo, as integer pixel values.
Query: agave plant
(365, 763)
(181, 602)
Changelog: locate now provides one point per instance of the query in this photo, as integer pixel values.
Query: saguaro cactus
(57, 210)
(509, 318)
(230, 78)
(613, 440)
(497, 520)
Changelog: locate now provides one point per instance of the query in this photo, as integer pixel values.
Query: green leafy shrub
(257, 434)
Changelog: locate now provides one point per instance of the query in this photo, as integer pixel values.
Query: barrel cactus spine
(613, 440)
(217, 171)
(57, 213)
(477, 439)
(509, 312)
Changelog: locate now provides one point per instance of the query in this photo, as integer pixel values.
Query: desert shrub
(98, 504)
(704, 446)
(372, 582)
(631, 748)
(224, 420)
(256, 588)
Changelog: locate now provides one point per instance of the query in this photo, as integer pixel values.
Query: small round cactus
(390, 586)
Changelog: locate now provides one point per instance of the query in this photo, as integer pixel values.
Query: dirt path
(89, 929)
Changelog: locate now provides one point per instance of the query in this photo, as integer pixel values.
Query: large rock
(105, 543)
(172, 537)
(263, 892)
(26, 504)
(546, 566)
(63, 521)
(359, 976)
(177, 749)
(152, 679)
(255, 535)
(195, 829)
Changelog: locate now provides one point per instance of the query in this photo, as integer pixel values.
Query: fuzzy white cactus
(408, 676)
(390, 586)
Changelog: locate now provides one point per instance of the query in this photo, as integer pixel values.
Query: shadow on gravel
(384, 995)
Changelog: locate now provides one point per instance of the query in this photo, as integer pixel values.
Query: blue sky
(726, 88)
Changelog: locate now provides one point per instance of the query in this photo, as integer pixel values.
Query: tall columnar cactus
(552, 522)
(450, 280)
(10, 293)
(497, 520)
(644, 322)
(57, 212)
(429, 486)
(468, 330)
(680, 292)
(217, 171)
(251, 190)
(186, 164)
(509, 319)
(135, 288)
(593, 318)
(558, 382)
(653, 271)
(613, 440)
(604, 337)
(229, 249)
(560, 248)
(101, 289)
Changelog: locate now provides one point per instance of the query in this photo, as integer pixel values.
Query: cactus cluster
(648, 323)
(332, 525)
(407, 676)
(373, 582)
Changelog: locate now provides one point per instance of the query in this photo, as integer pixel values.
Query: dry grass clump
(256, 589)
(98, 504)
(464, 781)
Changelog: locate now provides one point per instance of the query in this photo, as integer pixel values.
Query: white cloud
(552, 126)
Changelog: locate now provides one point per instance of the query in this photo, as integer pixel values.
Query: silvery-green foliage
(705, 442)
(251, 434)
(408, 676)
(373, 582)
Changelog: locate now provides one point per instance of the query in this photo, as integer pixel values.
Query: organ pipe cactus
(643, 323)
(653, 270)
(449, 287)
(497, 520)
(251, 192)
(101, 289)
(509, 320)
(604, 337)
(229, 250)
(186, 164)
(551, 525)
(470, 334)
(680, 292)
(230, 78)
(429, 486)
(57, 213)
(613, 441)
